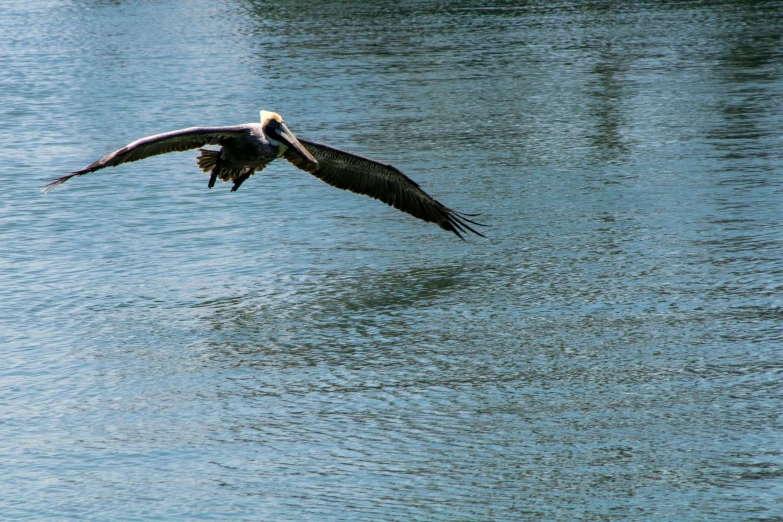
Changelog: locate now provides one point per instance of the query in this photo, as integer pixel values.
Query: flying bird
(247, 149)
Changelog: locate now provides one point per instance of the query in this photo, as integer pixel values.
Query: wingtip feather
(58, 181)
(458, 223)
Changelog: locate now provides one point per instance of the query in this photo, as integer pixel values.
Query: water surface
(611, 351)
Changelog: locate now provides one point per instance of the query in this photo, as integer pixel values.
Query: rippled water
(611, 351)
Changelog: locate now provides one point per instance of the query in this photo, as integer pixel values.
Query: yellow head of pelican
(279, 135)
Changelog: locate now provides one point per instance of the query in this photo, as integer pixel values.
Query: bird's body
(246, 149)
(241, 156)
(251, 150)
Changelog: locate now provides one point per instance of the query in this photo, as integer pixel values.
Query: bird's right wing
(381, 181)
(174, 141)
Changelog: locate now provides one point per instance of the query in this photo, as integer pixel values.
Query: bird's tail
(208, 159)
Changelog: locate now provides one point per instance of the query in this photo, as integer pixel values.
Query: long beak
(287, 137)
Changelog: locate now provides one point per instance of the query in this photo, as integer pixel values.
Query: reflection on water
(609, 352)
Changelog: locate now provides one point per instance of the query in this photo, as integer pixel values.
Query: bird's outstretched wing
(384, 182)
(174, 141)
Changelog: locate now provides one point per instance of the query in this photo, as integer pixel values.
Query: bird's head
(279, 134)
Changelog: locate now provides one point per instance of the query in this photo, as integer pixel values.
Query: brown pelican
(248, 148)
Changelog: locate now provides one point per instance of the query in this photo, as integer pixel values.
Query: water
(612, 350)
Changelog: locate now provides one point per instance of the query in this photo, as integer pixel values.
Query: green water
(611, 351)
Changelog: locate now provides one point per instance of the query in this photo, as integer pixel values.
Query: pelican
(247, 149)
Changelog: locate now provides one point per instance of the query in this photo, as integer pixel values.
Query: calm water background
(612, 351)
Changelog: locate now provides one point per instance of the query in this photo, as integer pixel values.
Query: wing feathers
(381, 181)
(174, 141)
(336, 167)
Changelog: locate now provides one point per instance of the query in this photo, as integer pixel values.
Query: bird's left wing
(381, 181)
(174, 141)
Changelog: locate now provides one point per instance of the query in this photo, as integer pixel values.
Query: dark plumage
(248, 148)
